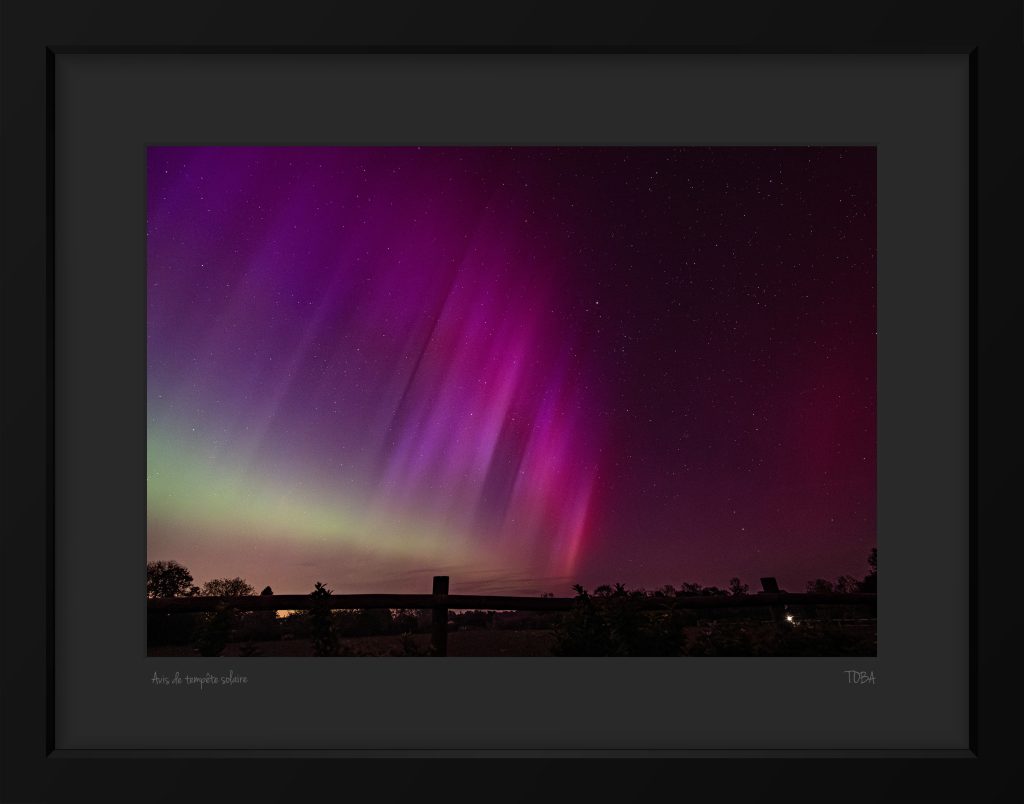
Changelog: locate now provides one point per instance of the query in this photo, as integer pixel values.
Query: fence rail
(181, 605)
(441, 603)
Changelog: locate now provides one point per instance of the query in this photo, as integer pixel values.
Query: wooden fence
(440, 603)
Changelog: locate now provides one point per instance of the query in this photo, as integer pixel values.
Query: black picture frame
(992, 34)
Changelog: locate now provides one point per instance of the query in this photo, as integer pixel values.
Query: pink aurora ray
(485, 423)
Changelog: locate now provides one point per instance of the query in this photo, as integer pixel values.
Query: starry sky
(523, 367)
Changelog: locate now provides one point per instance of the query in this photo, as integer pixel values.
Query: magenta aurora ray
(524, 367)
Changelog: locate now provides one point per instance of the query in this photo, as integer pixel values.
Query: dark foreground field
(733, 639)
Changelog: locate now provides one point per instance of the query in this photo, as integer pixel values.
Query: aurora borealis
(523, 367)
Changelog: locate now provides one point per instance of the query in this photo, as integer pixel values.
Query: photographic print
(511, 401)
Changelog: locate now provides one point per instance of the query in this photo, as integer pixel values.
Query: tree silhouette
(736, 588)
(870, 582)
(847, 583)
(167, 579)
(266, 591)
(227, 587)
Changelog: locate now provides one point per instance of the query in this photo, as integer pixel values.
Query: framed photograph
(422, 383)
(446, 369)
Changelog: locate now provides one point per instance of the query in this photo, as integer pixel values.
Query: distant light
(789, 618)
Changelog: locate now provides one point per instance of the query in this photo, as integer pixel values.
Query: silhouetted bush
(525, 620)
(847, 583)
(259, 626)
(215, 629)
(612, 622)
(407, 646)
(473, 619)
(296, 625)
(364, 622)
(321, 622)
(405, 622)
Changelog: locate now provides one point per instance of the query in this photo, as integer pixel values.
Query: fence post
(771, 587)
(439, 616)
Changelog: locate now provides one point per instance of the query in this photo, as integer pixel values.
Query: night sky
(522, 367)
